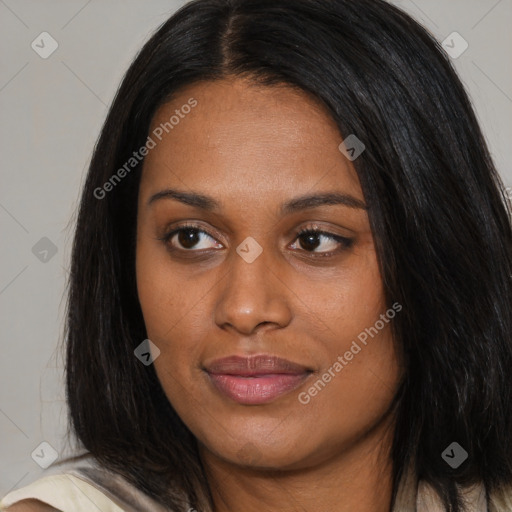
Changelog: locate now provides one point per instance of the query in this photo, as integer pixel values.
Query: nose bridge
(250, 264)
(251, 293)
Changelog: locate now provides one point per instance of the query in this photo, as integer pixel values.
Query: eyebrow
(296, 204)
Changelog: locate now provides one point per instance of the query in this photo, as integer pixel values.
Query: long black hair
(438, 214)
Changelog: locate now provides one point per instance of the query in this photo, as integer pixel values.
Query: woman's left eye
(191, 238)
(311, 240)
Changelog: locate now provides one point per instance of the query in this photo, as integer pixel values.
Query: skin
(252, 148)
(31, 505)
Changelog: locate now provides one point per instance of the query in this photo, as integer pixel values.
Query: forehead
(240, 138)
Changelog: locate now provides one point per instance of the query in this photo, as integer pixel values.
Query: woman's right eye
(187, 238)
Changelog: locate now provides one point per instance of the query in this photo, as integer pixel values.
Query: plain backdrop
(52, 111)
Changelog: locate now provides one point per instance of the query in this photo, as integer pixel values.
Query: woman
(291, 275)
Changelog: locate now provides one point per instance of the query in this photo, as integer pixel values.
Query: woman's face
(241, 282)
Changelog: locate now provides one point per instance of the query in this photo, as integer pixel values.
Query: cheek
(353, 301)
(172, 313)
(164, 300)
(354, 401)
(360, 371)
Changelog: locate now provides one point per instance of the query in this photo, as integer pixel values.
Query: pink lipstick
(254, 380)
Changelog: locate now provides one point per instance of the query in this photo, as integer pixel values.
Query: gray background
(52, 111)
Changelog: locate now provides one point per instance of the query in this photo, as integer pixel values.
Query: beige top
(79, 484)
(63, 492)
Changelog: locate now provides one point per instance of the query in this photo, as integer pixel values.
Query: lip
(254, 380)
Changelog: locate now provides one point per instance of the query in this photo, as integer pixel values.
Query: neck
(358, 478)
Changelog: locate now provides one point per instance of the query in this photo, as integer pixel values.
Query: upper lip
(254, 365)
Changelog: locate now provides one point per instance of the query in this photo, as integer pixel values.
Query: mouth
(257, 379)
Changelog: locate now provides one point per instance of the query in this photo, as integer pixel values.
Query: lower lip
(256, 390)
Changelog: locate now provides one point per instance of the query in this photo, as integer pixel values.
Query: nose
(252, 295)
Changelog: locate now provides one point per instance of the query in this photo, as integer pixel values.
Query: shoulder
(475, 498)
(501, 499)
(64, 492)
(73, 483)
(31, 505)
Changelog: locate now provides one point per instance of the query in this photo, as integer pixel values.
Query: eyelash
(346, 243)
